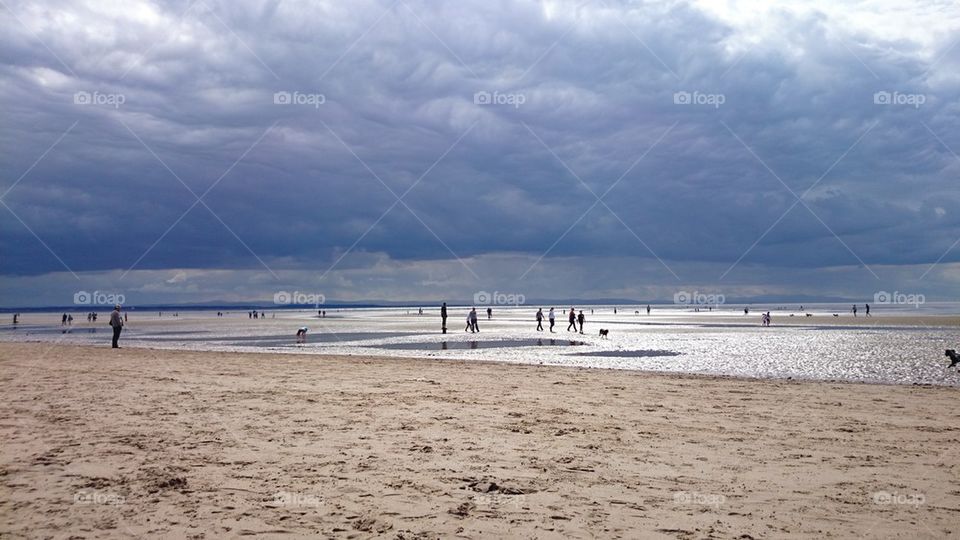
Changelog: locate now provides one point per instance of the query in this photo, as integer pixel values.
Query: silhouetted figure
(553, 319)
(474, 325)
(580, 319)
(866, 309)
(64, 321)
(854, 310)
(443, 318)
(572, 317)
(116, 322)
(302, 334)
(648, 309)
(539, 320)
(489, 313)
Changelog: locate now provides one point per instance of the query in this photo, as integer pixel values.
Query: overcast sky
(406, 149)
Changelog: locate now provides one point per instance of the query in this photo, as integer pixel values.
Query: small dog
(809, 314)
(604, 332)
(954, 357)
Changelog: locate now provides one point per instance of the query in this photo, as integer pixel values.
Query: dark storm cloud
(598, 83)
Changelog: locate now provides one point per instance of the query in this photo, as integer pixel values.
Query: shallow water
(722, 342)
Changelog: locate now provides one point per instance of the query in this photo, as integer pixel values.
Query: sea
(897, 344)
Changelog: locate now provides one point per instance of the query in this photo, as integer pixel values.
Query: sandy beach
(102, 443)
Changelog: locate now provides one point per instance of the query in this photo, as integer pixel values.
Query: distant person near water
(443, 318)
(117, 323)
(854, 310)
(489, 313)
(539, 320)
(474, 326)
(553, 319)
(866, 309)
(648, 309)
(580, 319)
(572, 317)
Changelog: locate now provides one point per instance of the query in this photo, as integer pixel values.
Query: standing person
(580, 319)
(117, 323)
(614, 311)
(443, 318)
(64, 321)
(648, 309)
(854, 310)
(473, 320)
(489, 313)
(553, 319)
(866, 309)
(539, 320)
(572, 317)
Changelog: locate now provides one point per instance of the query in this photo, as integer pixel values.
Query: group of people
(866, 310)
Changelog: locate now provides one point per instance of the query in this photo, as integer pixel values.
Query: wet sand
(102, 443)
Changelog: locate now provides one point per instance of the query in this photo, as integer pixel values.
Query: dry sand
(102, 443)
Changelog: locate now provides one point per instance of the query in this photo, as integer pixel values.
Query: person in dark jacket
(116, 321)
(443, 318)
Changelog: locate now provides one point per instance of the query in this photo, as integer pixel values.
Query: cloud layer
(720, 143)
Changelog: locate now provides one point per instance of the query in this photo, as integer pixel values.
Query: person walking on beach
(117, 323)
(572, 317)
(469, 323)
(539, 320)
(854, 310)
(866, 309)
(553, 319)
(473, 320)
(489, 313)
(443, 318)
(580, 319)
(648, 309)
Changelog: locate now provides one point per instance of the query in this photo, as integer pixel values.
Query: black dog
(603, 333)
(953, 356)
